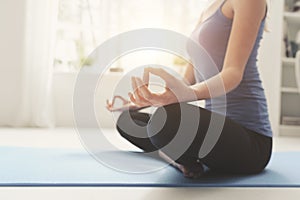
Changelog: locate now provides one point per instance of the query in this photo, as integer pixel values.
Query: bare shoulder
(256, 7)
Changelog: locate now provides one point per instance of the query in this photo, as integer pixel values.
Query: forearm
(218, 85)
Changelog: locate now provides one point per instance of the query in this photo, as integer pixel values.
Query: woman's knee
(163, 125)
(174, 129)
(132, 123)
(121, 123)
(169, 132)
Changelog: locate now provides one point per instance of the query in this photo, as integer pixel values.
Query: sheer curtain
(36, 100)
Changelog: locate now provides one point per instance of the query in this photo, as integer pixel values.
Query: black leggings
(237, 151)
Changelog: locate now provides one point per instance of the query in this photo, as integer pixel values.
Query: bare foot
(190, 172)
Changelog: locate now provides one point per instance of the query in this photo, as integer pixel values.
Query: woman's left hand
(175, 90)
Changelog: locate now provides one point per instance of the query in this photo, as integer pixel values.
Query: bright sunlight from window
(85, 24)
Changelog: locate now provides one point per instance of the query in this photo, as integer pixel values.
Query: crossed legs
(178, 135)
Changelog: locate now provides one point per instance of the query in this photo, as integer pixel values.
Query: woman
(230, 31)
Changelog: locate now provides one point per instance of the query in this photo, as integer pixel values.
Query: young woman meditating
(230, 31)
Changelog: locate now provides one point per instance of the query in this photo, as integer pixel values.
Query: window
(85, 24)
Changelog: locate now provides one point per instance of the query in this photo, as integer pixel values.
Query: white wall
(12, 14)
(63, 87)
(269, 62)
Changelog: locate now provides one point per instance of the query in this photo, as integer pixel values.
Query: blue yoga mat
(69, 167)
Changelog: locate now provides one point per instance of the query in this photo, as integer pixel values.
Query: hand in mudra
(176, 90)
(126, 104)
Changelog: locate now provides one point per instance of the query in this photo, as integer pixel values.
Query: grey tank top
(246, 104)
